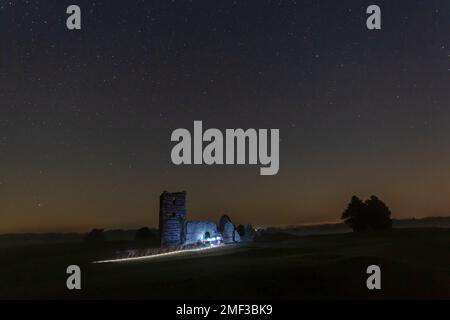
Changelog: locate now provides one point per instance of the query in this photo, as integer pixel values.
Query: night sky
(86, 116)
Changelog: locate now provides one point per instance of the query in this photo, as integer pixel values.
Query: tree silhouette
(143, 234)
(373, 214)
(95, 235)
(378, 214)
(353, 216)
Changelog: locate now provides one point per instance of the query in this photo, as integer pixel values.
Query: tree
(373, 214)
(95, 235)
(353, 216)
(378, 214)
(143, 234)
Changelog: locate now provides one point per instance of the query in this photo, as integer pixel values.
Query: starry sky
(86, 116)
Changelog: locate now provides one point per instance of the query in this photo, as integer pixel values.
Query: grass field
(415, 263)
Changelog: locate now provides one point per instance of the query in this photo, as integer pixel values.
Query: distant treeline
(334, 228)
(442, 222)
(25, 239)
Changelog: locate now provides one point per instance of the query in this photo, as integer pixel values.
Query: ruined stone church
(176, 230)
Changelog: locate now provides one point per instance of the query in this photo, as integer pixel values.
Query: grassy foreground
(415, 263)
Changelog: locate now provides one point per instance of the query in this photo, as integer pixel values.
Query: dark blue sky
(86, 116)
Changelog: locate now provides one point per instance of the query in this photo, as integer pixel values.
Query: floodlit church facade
(176, 230)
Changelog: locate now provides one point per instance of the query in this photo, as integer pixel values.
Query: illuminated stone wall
(176, 231)
(197, 230)
(228, 230)
(172, 218)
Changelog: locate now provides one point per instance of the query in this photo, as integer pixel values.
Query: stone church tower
(172, 218)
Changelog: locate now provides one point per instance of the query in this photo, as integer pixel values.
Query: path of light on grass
(173, 253)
